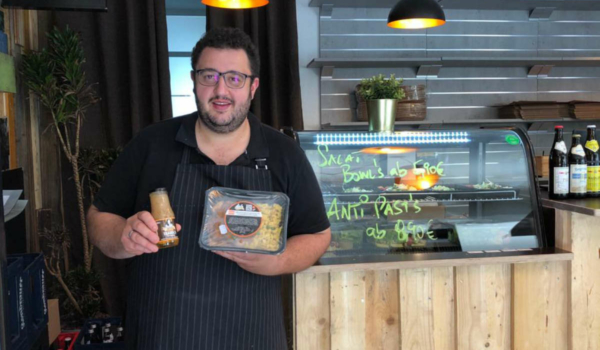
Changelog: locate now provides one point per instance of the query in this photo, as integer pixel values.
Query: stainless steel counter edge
(412, 261)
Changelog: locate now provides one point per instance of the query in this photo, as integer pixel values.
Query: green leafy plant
(56, 76)
(77, 289)
(378, 87)
(93, 167)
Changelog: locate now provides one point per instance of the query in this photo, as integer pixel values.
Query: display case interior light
(387, 150)
(398, 138)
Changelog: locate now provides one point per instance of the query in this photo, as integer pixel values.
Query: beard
(212, 122)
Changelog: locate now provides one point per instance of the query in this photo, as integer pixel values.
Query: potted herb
(381, 96)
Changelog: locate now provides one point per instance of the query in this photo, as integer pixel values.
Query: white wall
(308, 48)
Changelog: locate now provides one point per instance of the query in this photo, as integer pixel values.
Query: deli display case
(432, 194)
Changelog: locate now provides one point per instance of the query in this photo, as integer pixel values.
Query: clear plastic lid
(248, 221)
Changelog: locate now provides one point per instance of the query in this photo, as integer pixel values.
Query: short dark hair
(228, 38)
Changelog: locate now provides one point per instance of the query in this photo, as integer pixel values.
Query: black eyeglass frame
(222, 74)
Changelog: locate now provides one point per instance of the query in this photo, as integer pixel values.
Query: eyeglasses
(210, 77)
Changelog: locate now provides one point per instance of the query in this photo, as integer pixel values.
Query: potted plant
(381, 96)
(56, 76)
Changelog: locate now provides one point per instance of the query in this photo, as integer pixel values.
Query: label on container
(561, 147)
(578, 183)
(166, 229)
(561, 180)
(592, 145)
(593, 178)
(243, 219)
(578, 150)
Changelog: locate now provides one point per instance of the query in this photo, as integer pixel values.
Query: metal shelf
(455, 62)
(572, 5)
(469, 122)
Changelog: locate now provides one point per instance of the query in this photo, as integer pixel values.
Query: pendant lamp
(416, 14)
(235, 4)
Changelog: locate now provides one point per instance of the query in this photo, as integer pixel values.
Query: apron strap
(185, 158)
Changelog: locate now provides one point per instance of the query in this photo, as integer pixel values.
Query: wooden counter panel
(427, 309)
(416, 309)
(585, 283)
(483, 307)
(382, 310)
(348, 324)
(312, 312)
(540, 306)
(444, 308)
(543, 301)
(500, 307)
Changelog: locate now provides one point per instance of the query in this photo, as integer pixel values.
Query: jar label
(166, 229)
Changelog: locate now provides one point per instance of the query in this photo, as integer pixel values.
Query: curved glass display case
(426, 194)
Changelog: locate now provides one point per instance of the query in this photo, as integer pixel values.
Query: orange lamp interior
(235, 4)
(416, 23)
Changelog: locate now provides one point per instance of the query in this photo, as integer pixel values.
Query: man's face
(221, 108)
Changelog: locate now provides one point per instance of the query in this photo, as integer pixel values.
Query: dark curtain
(273, 30)
(127, 56)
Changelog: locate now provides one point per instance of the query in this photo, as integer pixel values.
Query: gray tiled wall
(464, 93)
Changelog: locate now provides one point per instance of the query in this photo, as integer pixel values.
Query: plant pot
(412, 108)
(382, 114)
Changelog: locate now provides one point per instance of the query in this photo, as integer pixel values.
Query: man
(187, 297)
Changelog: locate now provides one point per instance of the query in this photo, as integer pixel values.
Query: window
(186, 23)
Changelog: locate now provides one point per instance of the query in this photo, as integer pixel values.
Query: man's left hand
(260, 264)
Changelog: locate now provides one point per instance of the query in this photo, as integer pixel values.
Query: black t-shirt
(150, 161)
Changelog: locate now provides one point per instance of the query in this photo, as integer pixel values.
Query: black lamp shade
(416, 14)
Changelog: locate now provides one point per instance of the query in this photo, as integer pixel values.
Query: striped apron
(190, 298)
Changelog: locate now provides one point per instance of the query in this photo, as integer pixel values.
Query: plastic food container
(247, 221)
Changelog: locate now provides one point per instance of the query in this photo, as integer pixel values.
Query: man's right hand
(121, 238)
(140, 234)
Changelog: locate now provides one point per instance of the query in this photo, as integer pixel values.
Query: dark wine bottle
(559, 167)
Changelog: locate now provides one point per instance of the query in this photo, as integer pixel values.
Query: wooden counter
(457, 305)
(578, 230)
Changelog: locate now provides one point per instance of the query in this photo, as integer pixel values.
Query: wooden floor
(540, 306)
